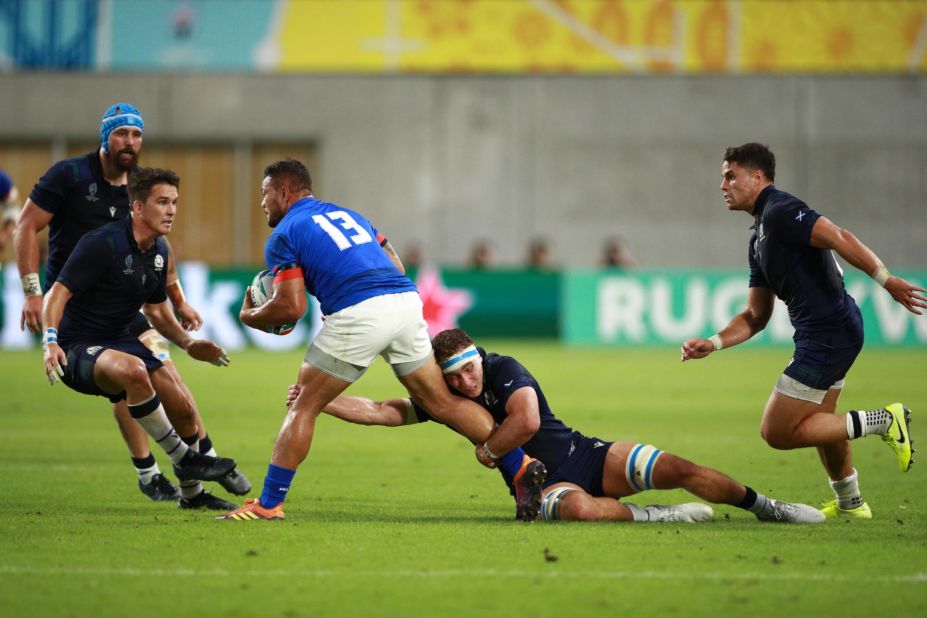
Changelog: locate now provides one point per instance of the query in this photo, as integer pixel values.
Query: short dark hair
(755, 156)
(143, 180)
(290, 171)
(447, 343)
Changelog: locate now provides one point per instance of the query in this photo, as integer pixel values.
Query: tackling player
(791, 256)
(586, 475)
(371, 308)
(81, 194)
(113, 272)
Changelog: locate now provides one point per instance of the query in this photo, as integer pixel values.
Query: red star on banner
(440, 305)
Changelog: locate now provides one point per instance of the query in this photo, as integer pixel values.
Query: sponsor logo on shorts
(92, 350)
(598, 444)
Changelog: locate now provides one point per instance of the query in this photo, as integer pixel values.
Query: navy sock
(206, 444)
(512, 461)
(748, 501)
(276, 485)
(143, 462)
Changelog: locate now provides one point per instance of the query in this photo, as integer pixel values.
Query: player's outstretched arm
(162, 318)
(826, 235)
(54, 357)
(364, 411)
(750, 321)
(32, 220)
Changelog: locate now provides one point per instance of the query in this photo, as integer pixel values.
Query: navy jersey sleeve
(278, 252)
(509, 376)
(49, 192)
(90, 259)
(757, 278)
(790, 222)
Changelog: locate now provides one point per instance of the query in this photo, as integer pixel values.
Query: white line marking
(911, 578)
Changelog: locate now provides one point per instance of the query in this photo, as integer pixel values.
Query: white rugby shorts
(390, 325)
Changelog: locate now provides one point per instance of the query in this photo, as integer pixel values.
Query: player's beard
(125, 160)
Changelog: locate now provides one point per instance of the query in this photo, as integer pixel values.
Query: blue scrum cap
(119, 115)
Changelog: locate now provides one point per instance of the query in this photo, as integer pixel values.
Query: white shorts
(391, 325)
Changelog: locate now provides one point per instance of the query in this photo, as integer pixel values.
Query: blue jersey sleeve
(278, 252)
(790, 222)
(90, 260)
(49, 192)
(757, 278)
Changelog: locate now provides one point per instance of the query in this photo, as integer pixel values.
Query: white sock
(861, 423)
(151, 416)
(847, 491)
(637, 513)
(146, 474)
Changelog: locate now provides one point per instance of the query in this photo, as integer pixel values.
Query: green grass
(404, 522)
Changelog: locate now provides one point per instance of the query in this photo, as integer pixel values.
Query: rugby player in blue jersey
(112, 273)
(9, 207)
(585, 476)
(81, 194)
(371, 308)
(791, 256)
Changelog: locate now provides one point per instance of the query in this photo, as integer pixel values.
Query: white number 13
(347, 223)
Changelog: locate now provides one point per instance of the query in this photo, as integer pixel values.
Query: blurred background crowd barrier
(456, 123)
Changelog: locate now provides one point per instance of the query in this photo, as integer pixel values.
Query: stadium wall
(444, 161)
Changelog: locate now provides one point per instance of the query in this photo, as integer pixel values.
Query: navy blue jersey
(111, 278)
(807, 279)
(80, 199)
(338, 252)
(502, 376)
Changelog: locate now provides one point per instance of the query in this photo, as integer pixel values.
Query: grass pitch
(404, 522)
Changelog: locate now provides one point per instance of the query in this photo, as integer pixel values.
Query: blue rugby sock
(276, 484)
(512, 461)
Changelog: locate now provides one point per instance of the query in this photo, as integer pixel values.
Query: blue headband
(119, 115)
(459, 360)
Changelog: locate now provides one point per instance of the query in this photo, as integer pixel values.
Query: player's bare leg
(317, 389)
(426, 386)
(569, 502)
(151, 482)
(115, 372)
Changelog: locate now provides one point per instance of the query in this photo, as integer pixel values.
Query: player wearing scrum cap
(586, 475)
(76, 196)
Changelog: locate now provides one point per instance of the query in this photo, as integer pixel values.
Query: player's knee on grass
(553, 505)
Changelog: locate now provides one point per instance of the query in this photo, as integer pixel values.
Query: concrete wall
(445, 161)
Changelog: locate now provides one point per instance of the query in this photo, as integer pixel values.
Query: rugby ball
(261, 291)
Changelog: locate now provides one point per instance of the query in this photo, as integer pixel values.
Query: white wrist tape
(31, 285)
(881, 275)
(716, 341)
(49, 336)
